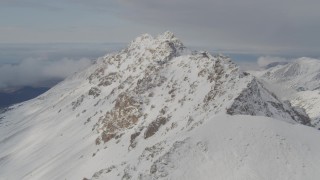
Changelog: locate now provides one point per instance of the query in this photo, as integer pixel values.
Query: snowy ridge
(310, 101)
(135, 114)
(297, 82)
(257, 100)
(301, 74)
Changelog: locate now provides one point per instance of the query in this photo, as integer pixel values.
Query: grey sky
(254, 26)
(33, 33)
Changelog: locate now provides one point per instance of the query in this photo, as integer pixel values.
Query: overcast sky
(249, 26)
(244, 29)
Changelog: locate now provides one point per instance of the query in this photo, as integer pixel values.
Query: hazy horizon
(38, 64)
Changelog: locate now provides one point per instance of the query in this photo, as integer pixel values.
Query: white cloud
(37, 71)
(265, 60)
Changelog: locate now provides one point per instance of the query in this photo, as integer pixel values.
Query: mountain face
(297, 82)
(157, 110)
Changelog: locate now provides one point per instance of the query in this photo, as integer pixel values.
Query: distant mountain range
(297, 82)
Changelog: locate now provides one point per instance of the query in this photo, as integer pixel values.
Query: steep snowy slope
(298, 82)
(135, 114)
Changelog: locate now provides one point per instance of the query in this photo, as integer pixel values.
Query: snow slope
(229, 147)
(298, 82)
(157, 110)
(310, 101)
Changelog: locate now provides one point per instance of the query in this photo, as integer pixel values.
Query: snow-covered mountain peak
(163, 46)
(306, 65)
(297, 81)
(144, 38)
(307, 60)
(168, 35)
(300, 74)
(135, 113)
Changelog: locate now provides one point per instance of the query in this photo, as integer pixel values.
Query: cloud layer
(39, 72)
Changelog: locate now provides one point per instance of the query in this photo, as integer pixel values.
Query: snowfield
(246, 147)
(157, 110)
(225, 147)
